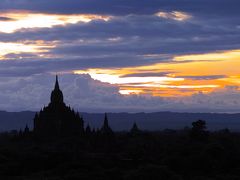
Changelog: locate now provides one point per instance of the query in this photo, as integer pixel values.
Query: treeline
(192, 153)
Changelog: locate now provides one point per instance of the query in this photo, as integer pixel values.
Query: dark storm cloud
(20, 56)
(119, 7)
(211, 77)
(148, 74)
(15, 68)
(5, 19)
(132, 26)
(123, 42)
(20, 71)
(137, 35)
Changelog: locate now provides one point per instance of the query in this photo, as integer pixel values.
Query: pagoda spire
(106, 128)
(56, 83)
(105, 120)
(57, 95)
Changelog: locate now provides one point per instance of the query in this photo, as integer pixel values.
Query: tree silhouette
(198, 131)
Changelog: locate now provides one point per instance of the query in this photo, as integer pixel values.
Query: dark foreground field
(189, 154)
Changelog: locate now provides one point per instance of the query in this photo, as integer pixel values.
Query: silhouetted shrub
(198, 131)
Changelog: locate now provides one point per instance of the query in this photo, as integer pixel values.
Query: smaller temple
(106, 130)
(135, 130)
(57, 119)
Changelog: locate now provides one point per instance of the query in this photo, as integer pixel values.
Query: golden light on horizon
(205, 73)
(129, 92)
(116, 79)
(23, 19)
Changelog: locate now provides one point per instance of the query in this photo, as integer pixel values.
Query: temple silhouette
(57, 119)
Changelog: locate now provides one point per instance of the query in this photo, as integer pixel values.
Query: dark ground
(187, 154)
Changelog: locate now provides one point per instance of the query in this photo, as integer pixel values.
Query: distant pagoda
(57, 119)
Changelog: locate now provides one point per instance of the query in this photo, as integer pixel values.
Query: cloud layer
(195, 42)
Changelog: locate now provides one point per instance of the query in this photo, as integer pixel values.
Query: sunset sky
(148, 55)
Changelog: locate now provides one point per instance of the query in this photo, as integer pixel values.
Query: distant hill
(15, 120)
(124, 121)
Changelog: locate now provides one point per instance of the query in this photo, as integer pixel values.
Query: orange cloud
(221, 70)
